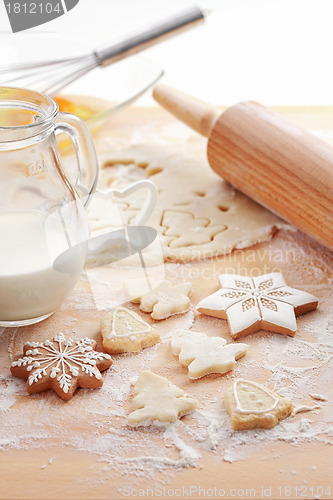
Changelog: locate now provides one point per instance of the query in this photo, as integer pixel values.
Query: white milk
(29, 286)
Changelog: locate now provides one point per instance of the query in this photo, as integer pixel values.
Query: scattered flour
(318, 397)
(94, 421)
(304, 408)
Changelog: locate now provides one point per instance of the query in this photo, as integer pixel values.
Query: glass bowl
(122, 83)
(111, 88)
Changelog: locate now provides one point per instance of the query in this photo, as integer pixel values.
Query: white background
(274, 51)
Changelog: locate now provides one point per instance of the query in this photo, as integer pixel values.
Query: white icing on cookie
(61, 355)
(121, 313)
(244, 386)
(250, 304)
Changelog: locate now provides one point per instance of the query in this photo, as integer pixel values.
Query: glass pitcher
(41, 208)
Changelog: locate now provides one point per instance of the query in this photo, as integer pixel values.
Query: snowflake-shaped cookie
(204, 355)
(62, 365)
(252, 304)
(163, 301)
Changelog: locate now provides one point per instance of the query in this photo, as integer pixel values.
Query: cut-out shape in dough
(125, 331)
(251, 304)
(158, 401)
(163, 301)
(184, 178)
(204, 355)
(252, 406)
(187, 230)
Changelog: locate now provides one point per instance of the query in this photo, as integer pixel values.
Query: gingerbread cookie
(204, 355)
(124, 331)
(252, 406)
(163, 301)
(261, 303)
(62, 365)
(158, 401)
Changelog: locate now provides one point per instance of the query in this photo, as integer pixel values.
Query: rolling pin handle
(198, 115)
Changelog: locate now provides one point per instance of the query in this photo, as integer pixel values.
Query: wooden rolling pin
(281, 166)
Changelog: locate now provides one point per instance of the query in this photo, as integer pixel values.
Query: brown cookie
(62, 365)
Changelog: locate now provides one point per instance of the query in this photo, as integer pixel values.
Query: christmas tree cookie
(158, 401)
(204, 355)
(163, 301)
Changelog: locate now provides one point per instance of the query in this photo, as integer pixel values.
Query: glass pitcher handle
(85, 153)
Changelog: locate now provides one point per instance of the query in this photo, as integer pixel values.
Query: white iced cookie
(124, 331)
(204, 355)
(158, 401)
(163, 301)
(252, 406)
(261, 303)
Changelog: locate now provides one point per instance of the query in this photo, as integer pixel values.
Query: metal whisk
(50, 77)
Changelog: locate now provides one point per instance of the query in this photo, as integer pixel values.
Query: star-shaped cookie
(62, 365)
(252, 304)
(204, 355)
(163, 301)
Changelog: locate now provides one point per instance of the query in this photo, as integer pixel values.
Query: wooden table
(83, 449)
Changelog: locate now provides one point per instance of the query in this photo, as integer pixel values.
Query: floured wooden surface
(84, 449)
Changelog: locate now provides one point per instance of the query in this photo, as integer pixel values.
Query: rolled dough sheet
(198, 215)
